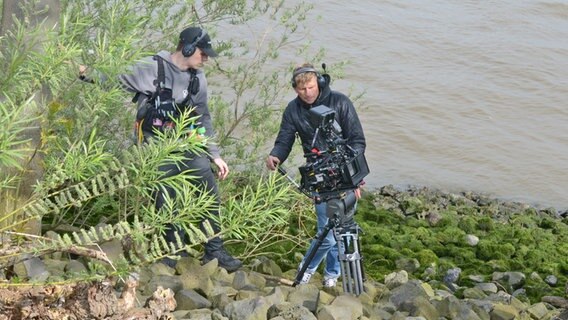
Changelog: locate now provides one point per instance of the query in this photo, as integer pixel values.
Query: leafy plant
(91, 170)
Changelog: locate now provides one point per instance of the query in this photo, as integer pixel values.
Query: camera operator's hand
(357, 193)
(223, 168)
(272, 162)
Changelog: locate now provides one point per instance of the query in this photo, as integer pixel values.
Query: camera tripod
(340, 211)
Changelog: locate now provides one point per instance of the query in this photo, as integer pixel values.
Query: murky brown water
(460, 95)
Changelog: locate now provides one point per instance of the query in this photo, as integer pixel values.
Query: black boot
(224, 259)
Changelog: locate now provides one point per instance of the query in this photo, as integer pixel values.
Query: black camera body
(336, 168)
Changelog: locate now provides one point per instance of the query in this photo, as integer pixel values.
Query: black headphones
(320, 78)
(189, 48)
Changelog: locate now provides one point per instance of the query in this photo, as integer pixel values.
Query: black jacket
(296, 119)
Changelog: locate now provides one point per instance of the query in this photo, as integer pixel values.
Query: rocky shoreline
(195, 291)
(262, 290)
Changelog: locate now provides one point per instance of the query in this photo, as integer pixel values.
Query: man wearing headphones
(179, 83)
(313, 90)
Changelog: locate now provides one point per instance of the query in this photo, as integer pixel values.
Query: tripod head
(341, 209)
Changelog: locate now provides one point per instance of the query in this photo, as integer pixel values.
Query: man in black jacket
(313, 90)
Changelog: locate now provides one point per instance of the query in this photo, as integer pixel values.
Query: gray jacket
(141, 80)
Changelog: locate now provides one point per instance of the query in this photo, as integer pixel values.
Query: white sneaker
(306, 278)
(330, 283)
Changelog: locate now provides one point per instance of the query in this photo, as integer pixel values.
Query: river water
(460, 95)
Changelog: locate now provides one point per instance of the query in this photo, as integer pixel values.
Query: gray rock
(33, 269)
(471, 240)
(220, 275)
(481, 308)
(452, 276)
(181, 314)
(500, 297)
(200, 282)
(266, 266)
(252, 309)
(551, 280)
(191, 300)
(476, 278)
(220, 301)
(167, 282)
(306, 295)
(257, 280)
(396, 279)
(75, 267)
(277, 296)
(452, 308)
(510, 280)
(350, 303)
(375, 289)
(217, 315)
(241, 281)
(289, 311)
(190, 265)
(247, 294)
(407, 292)
(538, 310)
(331, 312)
(487, 287)
(429, 273)
(504, 312)
(420, 307)
(113, 249)
(558, 302)
(474, 293)
(159, 268)
(55, 267)
(407, 264)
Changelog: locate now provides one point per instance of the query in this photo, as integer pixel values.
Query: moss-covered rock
(513, 237)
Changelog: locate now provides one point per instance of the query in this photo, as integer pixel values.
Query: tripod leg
(350, 260)
(313, 252)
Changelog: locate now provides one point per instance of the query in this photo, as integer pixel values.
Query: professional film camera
(336, 167)
(331, 174)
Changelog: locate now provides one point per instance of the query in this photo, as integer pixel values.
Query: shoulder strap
(159, 82)
(191, 87)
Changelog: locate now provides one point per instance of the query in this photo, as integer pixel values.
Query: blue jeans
(327, 250)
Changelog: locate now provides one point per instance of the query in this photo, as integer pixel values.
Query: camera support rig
(332, 176)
